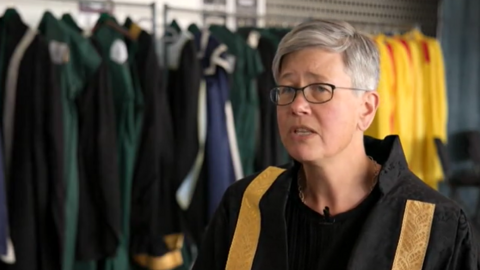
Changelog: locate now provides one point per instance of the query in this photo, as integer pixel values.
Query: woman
(348, 201)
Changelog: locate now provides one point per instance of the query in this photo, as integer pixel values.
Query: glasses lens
(318, 93)
(282, 95)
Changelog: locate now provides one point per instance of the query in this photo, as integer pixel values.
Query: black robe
(35, 187)
(99, 216)
(155, 216)
(411, 226)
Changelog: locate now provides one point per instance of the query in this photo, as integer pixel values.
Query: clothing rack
(152, 6)
(282, 17)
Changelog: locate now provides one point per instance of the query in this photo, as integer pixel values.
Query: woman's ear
(369, 105)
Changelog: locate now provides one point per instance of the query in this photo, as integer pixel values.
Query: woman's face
(311, 132)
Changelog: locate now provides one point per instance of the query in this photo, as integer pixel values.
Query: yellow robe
(383, 124)
(404, 85)
(435, 104)
(418, 131)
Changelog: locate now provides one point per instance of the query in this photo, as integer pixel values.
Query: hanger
(119, 29)
(171, 34)
(108, 20)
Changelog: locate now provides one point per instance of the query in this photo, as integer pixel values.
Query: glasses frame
(302, 89)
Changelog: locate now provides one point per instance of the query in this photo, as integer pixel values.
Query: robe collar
(387, 152)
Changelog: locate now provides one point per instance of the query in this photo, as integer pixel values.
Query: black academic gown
(183, 89)
(411, 226)
(35, 183)
(99, 226)
(99, 212)
(155, 215)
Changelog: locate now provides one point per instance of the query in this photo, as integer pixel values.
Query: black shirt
(313, 242)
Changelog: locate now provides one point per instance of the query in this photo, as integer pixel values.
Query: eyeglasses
(315, 93)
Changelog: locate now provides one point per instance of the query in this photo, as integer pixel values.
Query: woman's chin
(305, 154)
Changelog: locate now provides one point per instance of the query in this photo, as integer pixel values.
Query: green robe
(273, 38)
(77, 61)
(128, 99)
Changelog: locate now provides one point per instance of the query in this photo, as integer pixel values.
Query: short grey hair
(360, 54)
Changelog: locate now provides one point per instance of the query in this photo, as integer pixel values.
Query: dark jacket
(411, 227)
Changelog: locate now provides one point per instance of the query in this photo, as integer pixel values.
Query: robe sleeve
(465, 252)
(214, 249)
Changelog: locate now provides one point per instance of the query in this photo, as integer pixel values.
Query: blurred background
(123, 122)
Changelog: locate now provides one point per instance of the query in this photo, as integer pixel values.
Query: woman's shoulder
(414, 189)
(258, 182)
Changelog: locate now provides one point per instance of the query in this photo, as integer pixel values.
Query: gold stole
(411, 249)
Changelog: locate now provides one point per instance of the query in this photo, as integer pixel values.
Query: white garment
(253, 39)
(185, 192)
(119, 52)
(216, 59)
(174, 50)
(232, 138)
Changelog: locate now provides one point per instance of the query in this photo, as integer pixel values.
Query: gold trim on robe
(168, 261)
(135, 31)
(247, 232)
(414, 236)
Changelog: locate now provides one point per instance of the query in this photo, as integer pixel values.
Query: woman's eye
(321, 88)
(286, 90)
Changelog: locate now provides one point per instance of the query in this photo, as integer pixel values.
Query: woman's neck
(340, 183)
